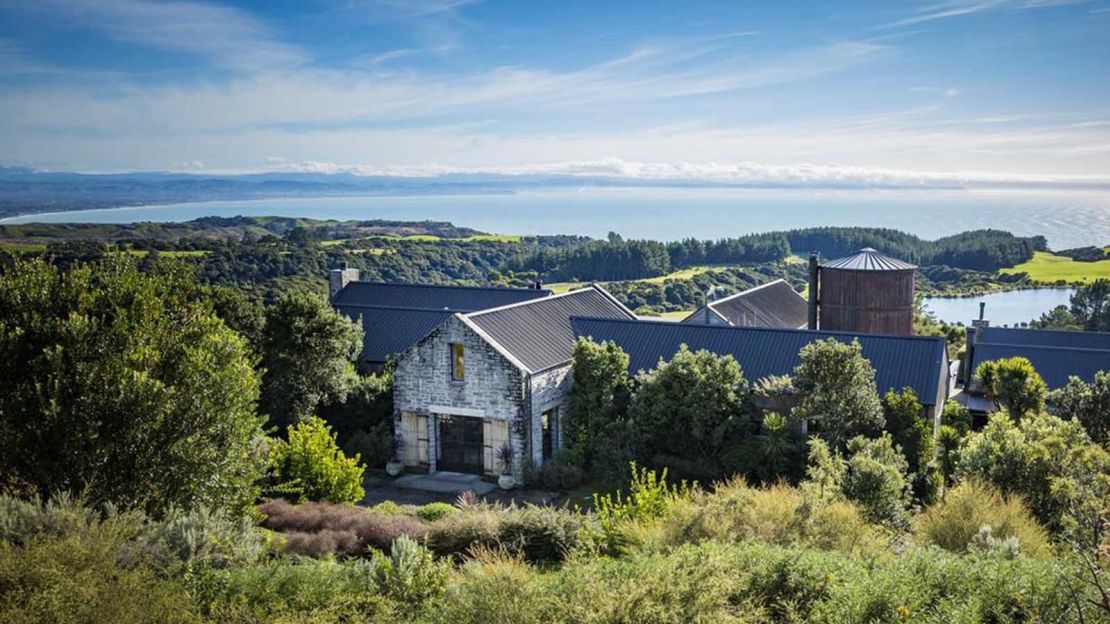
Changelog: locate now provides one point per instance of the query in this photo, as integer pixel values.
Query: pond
(1004, 308)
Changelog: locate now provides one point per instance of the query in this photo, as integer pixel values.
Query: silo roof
(868, 259)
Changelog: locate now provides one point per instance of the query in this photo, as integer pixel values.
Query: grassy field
(681, 274)
(1049, 268)
(429, 238)
(22, 247)
(677, 315)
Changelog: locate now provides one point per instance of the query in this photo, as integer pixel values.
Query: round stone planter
(506, 482)
(394, 468)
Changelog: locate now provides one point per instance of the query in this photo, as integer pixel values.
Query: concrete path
(445, 483)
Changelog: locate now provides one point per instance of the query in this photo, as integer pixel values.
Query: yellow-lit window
(458, 370)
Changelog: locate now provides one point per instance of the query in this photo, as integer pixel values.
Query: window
(547, 423)
(458, 369)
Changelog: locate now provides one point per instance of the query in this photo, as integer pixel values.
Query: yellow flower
(902, 611)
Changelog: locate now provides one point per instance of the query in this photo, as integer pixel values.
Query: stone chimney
(339, 278)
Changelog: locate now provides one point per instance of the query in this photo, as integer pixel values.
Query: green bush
(539, 534)
(436, 511)
(409, 574)
(203, 536)
(21, 520)
(561, 472)
(388, 508)
(76, 575)
(461, 534)
(293, 589)
(953, 523)
(311, 466)
(876, 479)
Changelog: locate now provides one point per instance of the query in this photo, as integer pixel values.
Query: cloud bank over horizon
(1008, 94)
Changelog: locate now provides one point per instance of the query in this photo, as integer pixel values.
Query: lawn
(1049, 268)
(681, 274)
(676, 315)
(22, 247)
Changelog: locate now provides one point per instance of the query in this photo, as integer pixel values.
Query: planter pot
(506, 482)
(394, 468)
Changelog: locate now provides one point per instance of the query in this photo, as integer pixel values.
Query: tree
(913, 434)
(1087, 403)
(1090, 305)
(311, 466)
(238, 312)
(837, 387)
(308, 349)
(1051, 463)
(1014, 384)
(598, 398)
(124, 387)
(876, 479)
(688, 407)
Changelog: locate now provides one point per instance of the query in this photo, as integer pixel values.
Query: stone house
(484, 379)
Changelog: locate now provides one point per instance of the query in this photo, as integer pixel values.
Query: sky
(910, 92)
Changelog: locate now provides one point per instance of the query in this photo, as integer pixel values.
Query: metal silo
(866, 292)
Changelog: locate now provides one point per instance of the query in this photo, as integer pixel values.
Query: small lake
(1004, 308)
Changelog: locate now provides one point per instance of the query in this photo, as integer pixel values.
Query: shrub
(876, 479)
(312, 465)
(77, 576)
(21, 520)
(388, 508)
(539, 534)
(409, 574)
(202, 536)
(436, 511)
(1013, 384)
(954, 523)
(561, 472)
(293, 589)
(649, 495)
(369, 528)
(465, 532)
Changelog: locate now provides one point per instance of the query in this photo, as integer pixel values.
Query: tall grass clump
(954, 523)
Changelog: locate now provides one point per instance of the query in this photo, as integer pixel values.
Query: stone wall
(492, 387)
(547, 389)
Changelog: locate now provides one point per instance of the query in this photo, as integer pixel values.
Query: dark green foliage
(1051, 463)
(460, 534)
(913, 434)
(238, 312)
(308, 353)
(1014, 384)
(686, 410)
(836, 386)
(364, 421)
(539, 534)
(598, 402)
(561, 472)
(1090, 306)
(124, 387)
(984, 250)
(1087, 403)
(875, 477)
(310, 466)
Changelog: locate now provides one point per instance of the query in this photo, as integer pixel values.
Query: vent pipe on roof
(814, 269)
(982, 309)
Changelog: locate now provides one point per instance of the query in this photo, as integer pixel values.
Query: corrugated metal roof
(899, 361)
(538, 332)
(1055, 364)
(389, 331)
(868, 259)
(1045, 337)
(433, 297)
(1056, 355)
(774, 304)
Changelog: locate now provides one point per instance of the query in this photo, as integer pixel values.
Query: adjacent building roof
(868, 259)
(396, 316)
(388, 331)
(538, 333)
(1057, 355)
(918, 362)
(775, 304)
(432, 297)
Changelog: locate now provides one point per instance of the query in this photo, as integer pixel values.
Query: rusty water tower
(866, 292)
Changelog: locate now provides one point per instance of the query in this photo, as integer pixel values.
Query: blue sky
(789, 92)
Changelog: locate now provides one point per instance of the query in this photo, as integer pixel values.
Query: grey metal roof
(1055, 364)
(899, 361)
(538, 333)
(1056, 355)
(1045, 337)
(432, 297)
(389, 331)
(774, 304)
(868, 259)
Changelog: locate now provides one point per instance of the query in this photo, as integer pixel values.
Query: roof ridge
(391, 307)
(458, 286)
(527, 302)
(1041, 346)
(1046, 331)
(751, 290)
(766, 329)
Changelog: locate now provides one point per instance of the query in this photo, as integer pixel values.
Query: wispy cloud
(229, 37)
(958, 8)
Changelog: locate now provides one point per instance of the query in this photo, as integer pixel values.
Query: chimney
(538, 284)
(982, 309)
(339, 278)
(814, 269)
